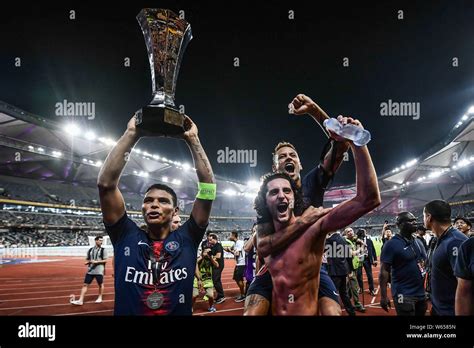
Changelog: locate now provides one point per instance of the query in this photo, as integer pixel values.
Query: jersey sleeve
(314, 185)
(117, 230)
(387, 253)
(464, 261)
(453, 249)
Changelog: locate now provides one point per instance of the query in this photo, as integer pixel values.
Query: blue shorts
(262, 285)
(326, 285)
(90, 277)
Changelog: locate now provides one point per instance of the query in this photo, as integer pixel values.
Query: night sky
(245, 107)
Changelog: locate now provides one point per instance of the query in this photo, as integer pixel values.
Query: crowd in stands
(35, 238)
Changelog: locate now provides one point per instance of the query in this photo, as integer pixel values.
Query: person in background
(463, 224)
(95, 260)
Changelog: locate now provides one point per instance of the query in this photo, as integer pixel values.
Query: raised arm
(248, 246)
(202, 207)
(366, 199)
(111, 199)
(333, 158)
(269, 242)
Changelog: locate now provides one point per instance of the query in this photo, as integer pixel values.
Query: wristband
(206, 191)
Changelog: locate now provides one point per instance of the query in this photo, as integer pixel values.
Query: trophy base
(160, 120)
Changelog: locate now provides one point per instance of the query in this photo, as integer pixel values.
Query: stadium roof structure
(445, 171)
(38, 148)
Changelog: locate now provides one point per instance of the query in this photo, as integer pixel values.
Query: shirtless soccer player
(295, 269)
(312, 185)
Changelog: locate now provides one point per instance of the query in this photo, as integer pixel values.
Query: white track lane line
(51, 305)
(47, 298)
(220, 311)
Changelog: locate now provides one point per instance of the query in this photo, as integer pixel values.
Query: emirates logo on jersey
(133, 275)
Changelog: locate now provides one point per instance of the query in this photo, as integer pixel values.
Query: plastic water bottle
(359, 136)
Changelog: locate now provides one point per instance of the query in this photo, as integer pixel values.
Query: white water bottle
(359, 136)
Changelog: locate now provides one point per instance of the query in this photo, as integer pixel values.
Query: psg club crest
(172, 246)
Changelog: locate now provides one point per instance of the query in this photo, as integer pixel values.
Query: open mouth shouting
(282, 209)
(290, 168)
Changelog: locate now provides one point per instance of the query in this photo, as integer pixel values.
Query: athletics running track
(45, 287)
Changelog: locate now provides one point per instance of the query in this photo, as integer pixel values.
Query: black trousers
(341, 285)
(368, 271)
(410, 306)
(216, 279)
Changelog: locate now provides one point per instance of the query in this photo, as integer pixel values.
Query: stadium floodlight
(420, 179)
(176, 182)
(40, 149)
(137, 151)
(251, 195)
(72, 129)
(186, 166)
(394, 187)
(98, 163)
(164, 179)
(230, 192)
(471, 158)
(436, 174)
(403, 166)
(164, 159)
(57, 154)
(463, 163)
(31, 148)
(146, 154)
(411, 163)
(84, 160)
(471, 110)
(253, 184)
(90, 135)
(156, 157)
(454, 167)
(109, 141)
(464, 117)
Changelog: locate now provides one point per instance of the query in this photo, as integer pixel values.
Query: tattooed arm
(111, 199)
(201, 208)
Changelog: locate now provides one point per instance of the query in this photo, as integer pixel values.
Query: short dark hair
(98, 237)
(260, 204)
(164, 188)
(213, 236)
(439, 210)
(235, 233)
(361, 232)
(466, 220)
